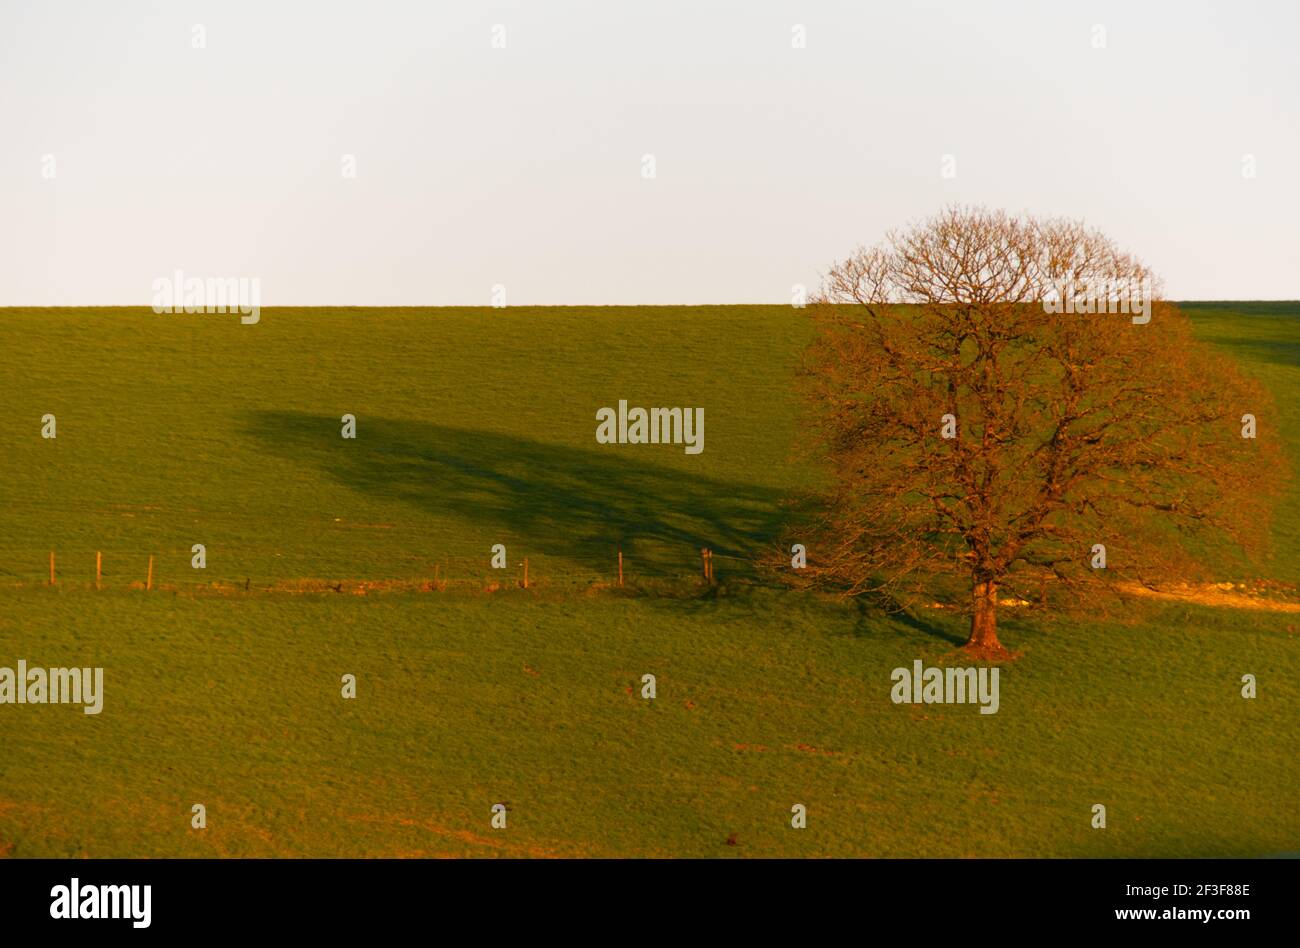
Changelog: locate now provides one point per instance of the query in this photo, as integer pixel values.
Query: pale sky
(523, 166)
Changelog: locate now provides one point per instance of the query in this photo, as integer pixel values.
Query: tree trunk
(984, 619)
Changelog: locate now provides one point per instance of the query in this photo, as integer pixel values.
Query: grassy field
(477, 427)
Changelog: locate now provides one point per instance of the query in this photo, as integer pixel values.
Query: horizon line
(266, 307)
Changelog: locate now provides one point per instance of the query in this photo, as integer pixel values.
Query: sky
(408, 153)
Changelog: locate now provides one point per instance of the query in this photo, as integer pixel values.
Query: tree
(1008, 410)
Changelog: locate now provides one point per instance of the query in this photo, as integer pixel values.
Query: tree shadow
(871, 610)
(928, 628)
(571, 503)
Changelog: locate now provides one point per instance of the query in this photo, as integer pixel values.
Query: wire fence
(178, 568)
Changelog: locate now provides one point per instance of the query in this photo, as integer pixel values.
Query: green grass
(474, 427)
(477, 427)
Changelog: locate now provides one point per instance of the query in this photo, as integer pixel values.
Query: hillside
(476, 427)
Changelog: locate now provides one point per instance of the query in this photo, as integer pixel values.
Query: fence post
(525, 572)
(99, 567)
(148, 584)
(620, 567)
(704, 561)
(51, 567)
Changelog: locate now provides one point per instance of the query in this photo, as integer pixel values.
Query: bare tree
(992, 437)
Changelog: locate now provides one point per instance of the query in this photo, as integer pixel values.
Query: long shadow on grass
(565, 502)
(920, 624)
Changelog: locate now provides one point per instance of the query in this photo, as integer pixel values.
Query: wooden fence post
(149, 582)
(620, 567)
(99, 567)
(51, 567)
(704, 561)
(525, 572)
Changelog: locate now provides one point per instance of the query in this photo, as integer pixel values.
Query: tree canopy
(1010, 411)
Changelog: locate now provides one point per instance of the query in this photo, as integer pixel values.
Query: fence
(173, 569)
